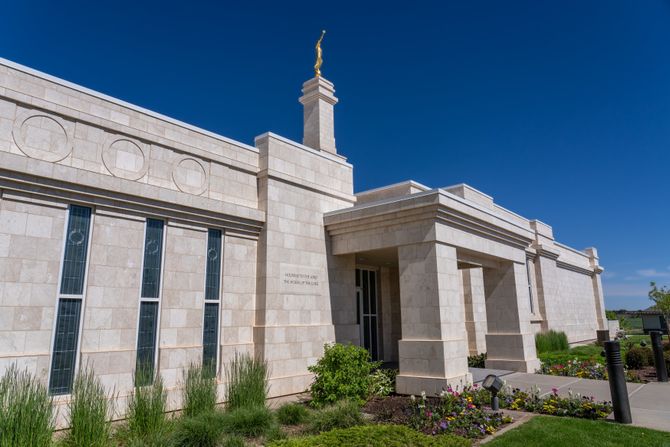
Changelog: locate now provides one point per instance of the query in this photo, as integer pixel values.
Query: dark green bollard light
(493, 384)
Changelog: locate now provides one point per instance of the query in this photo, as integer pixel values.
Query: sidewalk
(649, 403)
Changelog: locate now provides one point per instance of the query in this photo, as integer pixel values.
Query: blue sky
(559, 110)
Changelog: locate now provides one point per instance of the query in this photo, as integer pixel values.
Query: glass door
(366, 303)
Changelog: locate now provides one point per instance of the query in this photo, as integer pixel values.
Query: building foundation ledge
(527, 366)
(432, 386)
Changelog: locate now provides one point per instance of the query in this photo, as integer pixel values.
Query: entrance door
(366, 303)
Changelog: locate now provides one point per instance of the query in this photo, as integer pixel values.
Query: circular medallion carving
(189, 175)
(42, 136)
(125, 158)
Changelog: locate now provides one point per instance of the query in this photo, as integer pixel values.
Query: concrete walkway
(649, 403)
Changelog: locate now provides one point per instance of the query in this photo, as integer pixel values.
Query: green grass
(542, 431)
(147, 420)
(292, 414)
(343, 414)
(551, 341)
(248, 421)
(374, 436)
(90, 425)
(586, 352)
(26, 415)
(198, 391)
(202, 430)
(247, 382)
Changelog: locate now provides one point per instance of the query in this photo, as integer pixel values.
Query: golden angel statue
(319, 60)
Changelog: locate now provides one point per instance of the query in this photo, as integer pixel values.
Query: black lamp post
(493, 384)
(659, 360)
(617, 382)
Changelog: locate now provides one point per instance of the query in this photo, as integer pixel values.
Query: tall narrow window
(149, 299)
(530, 287)
(210, 327)
(68, 316)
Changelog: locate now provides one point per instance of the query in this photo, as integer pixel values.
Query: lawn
(546, 431)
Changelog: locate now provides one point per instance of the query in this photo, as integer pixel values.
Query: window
(68, 314)
(149, 301)
(210, 327)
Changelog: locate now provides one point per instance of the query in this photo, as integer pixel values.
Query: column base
(527, 366)
(433, 386)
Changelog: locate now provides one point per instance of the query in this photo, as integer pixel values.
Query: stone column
(433, 349)
(598, 296)
(318, 100)
(510, 342)
(475, 309)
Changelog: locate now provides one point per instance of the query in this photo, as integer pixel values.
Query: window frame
(81, 298)
(218, 301)
(151, 299)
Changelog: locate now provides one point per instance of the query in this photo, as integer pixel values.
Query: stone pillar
(433, 349)
(598, 296)
(318, 100)
(475, 309)
(510, 342)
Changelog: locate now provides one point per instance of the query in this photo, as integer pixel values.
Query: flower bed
(574, 405)
(585, 369)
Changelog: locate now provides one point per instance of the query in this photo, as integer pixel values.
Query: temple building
(129, 239)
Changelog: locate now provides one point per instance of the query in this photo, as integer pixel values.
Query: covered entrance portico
(449, 278)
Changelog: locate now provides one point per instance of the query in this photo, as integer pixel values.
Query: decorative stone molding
(124, 157)
(190, 175)
(42, 135)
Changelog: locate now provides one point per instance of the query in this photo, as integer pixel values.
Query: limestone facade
(454, 274)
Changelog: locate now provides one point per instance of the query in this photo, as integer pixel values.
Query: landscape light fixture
(493, 384)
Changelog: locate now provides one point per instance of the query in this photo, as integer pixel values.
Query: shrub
(198, 391)
(342, 373)
(638, 357)
(26, 418)
(551, 341)
(248, 421)
(89, 423)
(382, 382)
(374, 435)
(477, 361)
(292, 414)
(147, 421)
(343, 414)
(247, 382)
(203, 430)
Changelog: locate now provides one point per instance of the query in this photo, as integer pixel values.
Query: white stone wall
(31, 245)
(294, 319)
(109, 328)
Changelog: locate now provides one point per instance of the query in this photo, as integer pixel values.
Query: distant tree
(661, 296)
(610, 315)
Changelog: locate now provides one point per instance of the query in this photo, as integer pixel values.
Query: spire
(318, 99)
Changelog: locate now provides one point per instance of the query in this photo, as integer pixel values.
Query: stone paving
(650, 403)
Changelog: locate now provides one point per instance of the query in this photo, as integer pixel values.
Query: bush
(203, 430)
(343, 414)
(374, 435)
(551, 341)
(247, 382)
(198, 391)
(248, 421)
(382, 382)
(342, 373)
(638, 357)
(147, 421)
(26, 418)
(89, 423)
(292, 414)
(477, 361)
